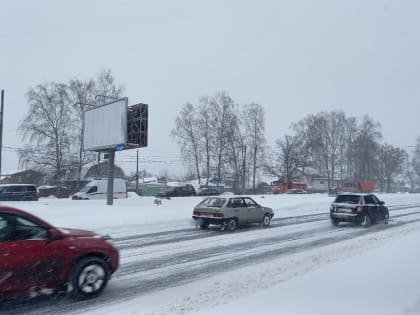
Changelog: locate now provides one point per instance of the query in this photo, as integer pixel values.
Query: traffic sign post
(110, 186)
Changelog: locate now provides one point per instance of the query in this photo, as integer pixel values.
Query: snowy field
(300, 265)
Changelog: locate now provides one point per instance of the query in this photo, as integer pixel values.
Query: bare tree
(416, 160)
(366, 147)
(390, 161)
(187, 134)
(236, 153)
(254, 121)
(106, 85)
(289, 157)
(313, 135)
(82, 94)
(206, 134)
(410, 174)
(309, 140)
(49, 126)
(347, 161)
(222, 106)
(329, 136)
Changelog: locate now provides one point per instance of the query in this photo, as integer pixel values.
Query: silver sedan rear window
(213, 202)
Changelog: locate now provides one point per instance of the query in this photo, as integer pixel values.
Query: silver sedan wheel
(232, 224)
(266, 220)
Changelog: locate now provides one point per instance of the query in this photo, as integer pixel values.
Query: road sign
(119, 147)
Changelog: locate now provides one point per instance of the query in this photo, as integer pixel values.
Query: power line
(10, 148)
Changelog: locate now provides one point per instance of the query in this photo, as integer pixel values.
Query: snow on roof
(46, 187)
(150, 179)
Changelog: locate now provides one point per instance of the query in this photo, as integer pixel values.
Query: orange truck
(363, 186)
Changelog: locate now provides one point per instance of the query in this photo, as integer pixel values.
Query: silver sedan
(230, 212)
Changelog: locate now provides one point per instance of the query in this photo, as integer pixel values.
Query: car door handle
(3, 254)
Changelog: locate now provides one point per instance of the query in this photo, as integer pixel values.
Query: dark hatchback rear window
(354, 199)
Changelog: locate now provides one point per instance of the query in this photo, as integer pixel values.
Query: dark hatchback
(208, 191)
(18, 192)
(358, 209)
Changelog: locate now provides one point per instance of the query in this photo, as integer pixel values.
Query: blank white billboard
(106, 126)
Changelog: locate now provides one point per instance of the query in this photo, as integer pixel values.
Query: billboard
(137, 125)
(106, 126)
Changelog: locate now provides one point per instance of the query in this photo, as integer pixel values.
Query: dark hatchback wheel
(204, 225)
(334, 221)
(386, 220)
(367, 221)
(89, 278)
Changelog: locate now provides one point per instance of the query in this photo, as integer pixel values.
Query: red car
(36, 257)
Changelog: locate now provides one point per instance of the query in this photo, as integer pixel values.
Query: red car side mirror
(55, 235)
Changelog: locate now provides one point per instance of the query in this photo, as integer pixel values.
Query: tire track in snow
(174, 236)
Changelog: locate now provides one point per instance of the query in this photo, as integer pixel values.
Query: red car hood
(76, 233)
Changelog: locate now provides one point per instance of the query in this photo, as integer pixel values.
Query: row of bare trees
(220, 138)
(414, 167)
(341, 148)
(53, 127)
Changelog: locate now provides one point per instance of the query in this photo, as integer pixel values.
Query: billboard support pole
(111, 170)
(137, 173)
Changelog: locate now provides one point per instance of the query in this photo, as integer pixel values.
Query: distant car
(296, 191)
(53, 191)
(229, 212)
(358, 208)
(97, 189)
(18, 192)
(263, 188)
(179, 191)
(36, 257)
(208, 191)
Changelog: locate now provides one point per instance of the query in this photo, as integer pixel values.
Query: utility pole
(1, 126)
(137, 173)
(111, 170)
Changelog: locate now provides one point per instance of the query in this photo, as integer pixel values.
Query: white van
(97, 189)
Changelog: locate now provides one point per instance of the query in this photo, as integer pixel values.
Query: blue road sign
(120, 147)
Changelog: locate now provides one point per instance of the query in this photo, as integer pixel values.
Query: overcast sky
(293, 57)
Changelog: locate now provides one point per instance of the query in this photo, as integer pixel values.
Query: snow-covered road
(179, 255)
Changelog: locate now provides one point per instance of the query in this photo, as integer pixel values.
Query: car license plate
(345, 210)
